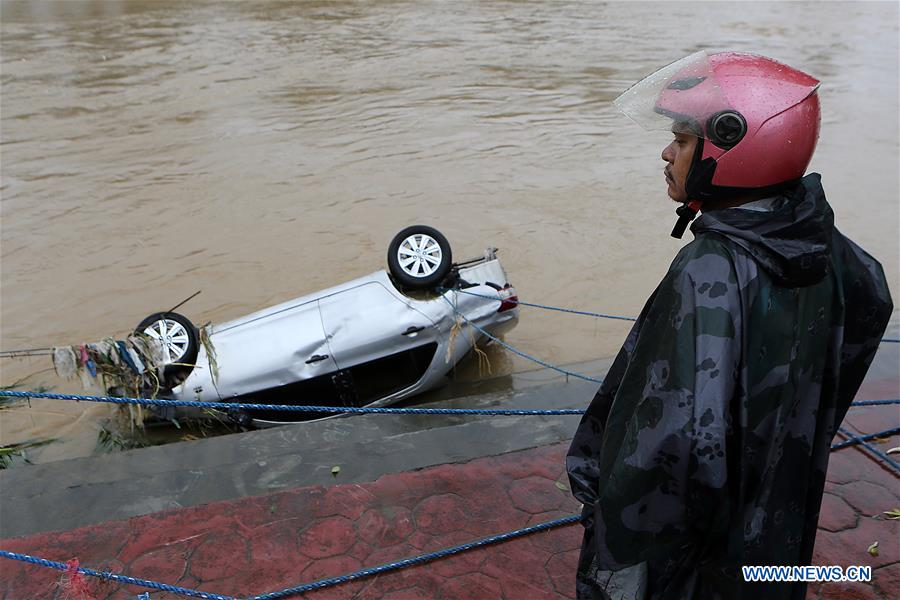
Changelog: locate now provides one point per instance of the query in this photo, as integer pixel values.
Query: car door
(271, 350)
(381, 343)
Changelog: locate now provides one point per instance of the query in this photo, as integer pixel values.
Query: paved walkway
(260, 544)
(858, 490)
(264, 543)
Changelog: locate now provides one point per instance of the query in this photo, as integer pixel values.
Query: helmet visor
(683, 96)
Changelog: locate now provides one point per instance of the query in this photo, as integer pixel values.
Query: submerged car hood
(792, 241)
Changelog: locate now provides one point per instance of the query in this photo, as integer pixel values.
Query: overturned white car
(370, 342)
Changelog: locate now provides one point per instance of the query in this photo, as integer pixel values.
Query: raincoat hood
(792, 242)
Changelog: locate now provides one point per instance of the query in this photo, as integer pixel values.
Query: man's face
(679, 155)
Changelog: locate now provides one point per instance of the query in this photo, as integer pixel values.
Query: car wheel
(177, 334)
(419, 257)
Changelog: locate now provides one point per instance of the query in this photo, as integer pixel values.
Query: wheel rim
(419, 255)
(173, 337)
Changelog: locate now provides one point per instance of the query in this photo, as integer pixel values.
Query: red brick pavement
(858, 490)
(254, 545)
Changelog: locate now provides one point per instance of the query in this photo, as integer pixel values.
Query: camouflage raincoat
(707, 445)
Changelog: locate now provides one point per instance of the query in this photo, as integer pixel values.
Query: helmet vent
(726, 128)
(686, 83)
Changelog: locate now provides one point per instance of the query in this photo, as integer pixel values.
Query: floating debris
(65, 362)
(210, 352)
(130, 366)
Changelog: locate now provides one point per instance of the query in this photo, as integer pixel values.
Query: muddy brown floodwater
(260, 151)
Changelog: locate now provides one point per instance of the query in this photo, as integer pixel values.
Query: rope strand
(519, 352)
(226, 406)
(308, 587)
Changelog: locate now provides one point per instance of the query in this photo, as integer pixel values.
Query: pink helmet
(759, 118)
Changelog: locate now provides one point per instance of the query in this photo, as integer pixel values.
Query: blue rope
(43, 562)
(295, 408)
(875, 402)
(519, 352)
(330, 409)
(546, 307)
(580, 312)
(308, 587)
(858, 440)
(887, 459)
(418, 560)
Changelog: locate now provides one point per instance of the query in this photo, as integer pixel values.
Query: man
(707, 445)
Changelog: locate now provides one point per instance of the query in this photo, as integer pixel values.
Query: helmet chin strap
(686, 213)
(699, 173)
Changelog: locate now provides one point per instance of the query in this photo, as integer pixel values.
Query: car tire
(181, 344)
(419, 257)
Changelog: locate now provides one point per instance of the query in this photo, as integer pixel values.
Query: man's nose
(668, 154)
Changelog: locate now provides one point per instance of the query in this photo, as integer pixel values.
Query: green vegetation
(12, 452)
(9, 453)
(112, 441)
(6, 401)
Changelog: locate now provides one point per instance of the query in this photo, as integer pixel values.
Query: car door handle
(412, 330)
(316, 358)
